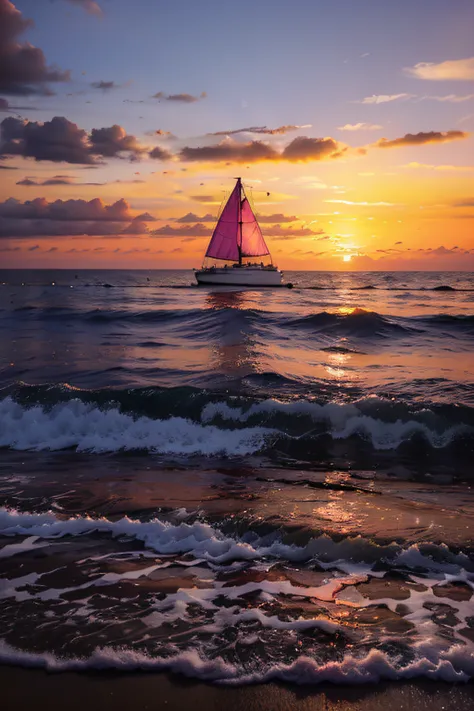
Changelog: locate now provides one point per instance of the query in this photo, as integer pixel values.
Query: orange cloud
(457, 69)
(300, 149)
(418, 139)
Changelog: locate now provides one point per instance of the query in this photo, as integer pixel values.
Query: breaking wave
(198, 423)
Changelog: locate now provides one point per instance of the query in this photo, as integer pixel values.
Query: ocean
(238, 485)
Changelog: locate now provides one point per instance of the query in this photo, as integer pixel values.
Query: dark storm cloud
(23, 68)
(279, 131)
(61, 140)
(179, 98)
(418, 139)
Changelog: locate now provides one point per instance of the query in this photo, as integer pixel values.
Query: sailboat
(237, 240)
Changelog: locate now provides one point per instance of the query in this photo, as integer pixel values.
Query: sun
(347, 257)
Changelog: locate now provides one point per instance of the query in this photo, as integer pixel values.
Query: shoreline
(22, 687)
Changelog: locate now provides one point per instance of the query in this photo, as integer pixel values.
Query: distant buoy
(289, 285)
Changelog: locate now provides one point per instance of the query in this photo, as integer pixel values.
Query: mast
(239, 243)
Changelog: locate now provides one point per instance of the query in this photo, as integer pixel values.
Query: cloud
(385, 98)
(191, 217)
(466, 202)
(196, 230)
(230, 151)
(60, 140)
(54, 181)
(11, 228)
(27, 181)
(89, 5)
(56, 140)
(455, 69)
(446, 168)
(105, 85)
(136, 227)
(179, 98)
(110, 142)
(451, 98)
(360, 127)
(300, 149)
(279, 232)
(418, 139)
(80, 210)
(204, 198)
(279, 131)
(277, 217)
(159, 153)
(40, 218)
(161, 133)
(304, 149)
(364, 204)
(23, 68)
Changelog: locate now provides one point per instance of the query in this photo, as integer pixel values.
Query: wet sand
(22, 689)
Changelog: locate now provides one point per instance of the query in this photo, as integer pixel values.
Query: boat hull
(244, 276)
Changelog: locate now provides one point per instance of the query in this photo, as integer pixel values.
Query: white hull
(240, 276)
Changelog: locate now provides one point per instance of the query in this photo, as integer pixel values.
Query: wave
(232, 427)
(223, 318)
(209, 542)
(359, 323)
(84, 428)
(460, 322)
(231, 606)
(452, 665)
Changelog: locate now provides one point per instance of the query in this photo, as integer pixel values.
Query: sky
(123, 126)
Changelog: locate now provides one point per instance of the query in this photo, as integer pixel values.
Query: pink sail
(253, 244)
(225, 240)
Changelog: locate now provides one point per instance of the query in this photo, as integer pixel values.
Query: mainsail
(237, 233)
